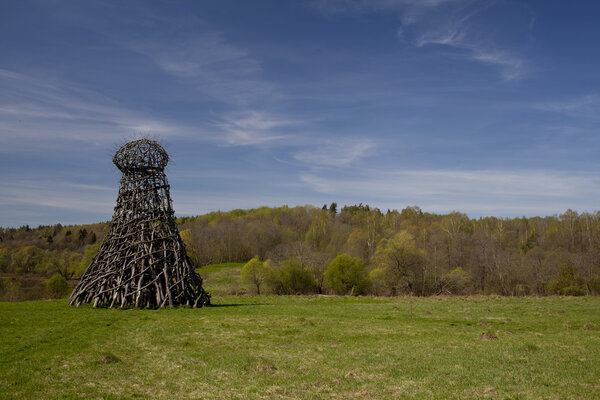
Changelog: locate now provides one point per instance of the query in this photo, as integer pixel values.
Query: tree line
(356, 250)
(30, 255)
(407, 252)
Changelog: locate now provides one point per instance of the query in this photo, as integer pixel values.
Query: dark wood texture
(142, 261)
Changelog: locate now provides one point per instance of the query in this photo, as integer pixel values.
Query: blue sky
(488, 108)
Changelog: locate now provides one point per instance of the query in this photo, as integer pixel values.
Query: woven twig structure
(142, 260)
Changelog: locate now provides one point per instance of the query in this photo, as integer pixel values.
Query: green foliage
(10, 290)
(410, 252)
(567, 283)
(403, 261)
(379, 282)
(81, 235)
(333, 209)
(64, 263)
(57, 286)
(347, 275)
(27, 259)
(291, 278)
(88, 255)
(4, 259)
(255, 273)
(595, 286)
(318, 233)
(190, 248)
(458, 281)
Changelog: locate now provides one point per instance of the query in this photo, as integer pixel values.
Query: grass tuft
(489, 336)
(108, 358)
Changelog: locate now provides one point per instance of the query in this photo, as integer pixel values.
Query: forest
(355, 250)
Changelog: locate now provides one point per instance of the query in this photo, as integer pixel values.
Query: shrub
(595, 286)
(255, 273)
(291, 278)
(567, 283)
(57, 286)
(347, 275)
(10, 290)
(458, 281)
(379, 282)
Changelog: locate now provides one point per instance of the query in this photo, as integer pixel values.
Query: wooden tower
(142, 261)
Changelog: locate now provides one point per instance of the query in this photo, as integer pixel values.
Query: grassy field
(305, 347)
(223, 279)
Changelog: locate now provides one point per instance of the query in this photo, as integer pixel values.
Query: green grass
(305, 347)
(223, 279)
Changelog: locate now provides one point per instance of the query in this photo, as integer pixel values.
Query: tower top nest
(143, 155)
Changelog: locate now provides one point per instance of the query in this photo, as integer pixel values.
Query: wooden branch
(142, 260)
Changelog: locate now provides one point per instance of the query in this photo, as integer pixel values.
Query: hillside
(404, 252)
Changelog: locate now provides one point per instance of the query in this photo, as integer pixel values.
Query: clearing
(305, 347)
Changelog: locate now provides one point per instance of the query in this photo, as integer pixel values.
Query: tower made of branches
(142, 261)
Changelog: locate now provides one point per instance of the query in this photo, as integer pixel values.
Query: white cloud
(361, 6)
(456, 34)
(251, 128)
(476, 192)
(200, 55)
(217, 68)
(510, 66)
(35, 108)
(59, 195)
(583, 106)
(336, 154)
(439, 22)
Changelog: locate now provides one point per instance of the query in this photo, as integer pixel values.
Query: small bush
(567, 283)
(57, 286)
(291, 278)
(379, 282)
(347, 275)
(595, 286)
(458, 281)
(255, 273)
(10, 290)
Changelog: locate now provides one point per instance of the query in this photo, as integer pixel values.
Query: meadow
(304, 347)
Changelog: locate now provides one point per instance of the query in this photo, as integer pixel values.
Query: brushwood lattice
(142, 260)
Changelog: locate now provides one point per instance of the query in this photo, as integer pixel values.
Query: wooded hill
(398, 252)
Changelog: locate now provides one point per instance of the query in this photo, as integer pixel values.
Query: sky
(488, 108)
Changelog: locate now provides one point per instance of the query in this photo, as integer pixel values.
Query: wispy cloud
(583, 106)
(184, 44)
(199, 55)
(510, 66)
(457, 33)
(214, 66)
(59, 195)
(440, 22)
(480, 192)
(361, 6)
(36, 108)
(340, 153)
(251, 128)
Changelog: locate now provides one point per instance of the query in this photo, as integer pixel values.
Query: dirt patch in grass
(108, 358)
(589, 326)
(489, 336)
(265, 366)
